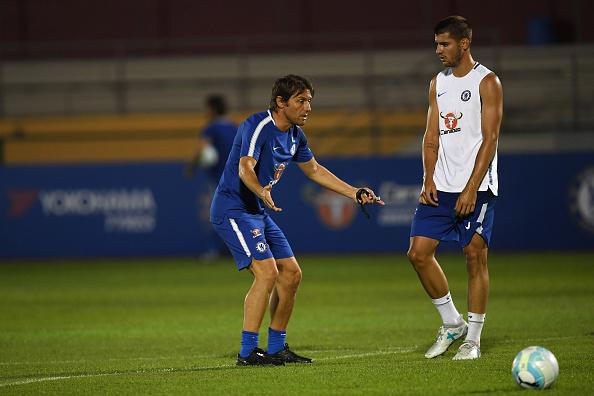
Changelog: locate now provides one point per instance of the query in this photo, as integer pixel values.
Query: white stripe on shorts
(480, 219)
(240, 237)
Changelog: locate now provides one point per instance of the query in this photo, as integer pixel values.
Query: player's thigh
(421, 248)
(244, 236)
(264, 269)
(277, 242)
(480, 222)
(476, 252)
(436, 222)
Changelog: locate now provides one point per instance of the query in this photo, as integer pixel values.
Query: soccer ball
(208, 157)
(535, 367)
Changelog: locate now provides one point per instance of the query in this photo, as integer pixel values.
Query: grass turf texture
(173, 327)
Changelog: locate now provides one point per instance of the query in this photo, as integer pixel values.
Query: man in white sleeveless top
(459, 183)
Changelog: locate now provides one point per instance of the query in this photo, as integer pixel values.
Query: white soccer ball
(208, 157)
(535, 367)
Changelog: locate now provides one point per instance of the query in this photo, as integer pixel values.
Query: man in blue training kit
(217, 136)
(214, 144)
(264, 146)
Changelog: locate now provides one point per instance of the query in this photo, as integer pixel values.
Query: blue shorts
(251, 236)
(440, 223)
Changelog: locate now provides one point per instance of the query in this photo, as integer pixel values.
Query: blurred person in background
(265, 144)
(214, 145)
(215, 140)
(459, 183)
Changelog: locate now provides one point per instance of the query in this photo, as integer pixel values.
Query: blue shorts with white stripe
(252, 236)
(440, 222)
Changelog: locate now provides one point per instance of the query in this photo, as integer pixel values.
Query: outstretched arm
(430, 150)
(249, 178)
(491, 114)
(325, 178)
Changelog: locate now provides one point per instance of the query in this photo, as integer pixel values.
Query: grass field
(173, 326)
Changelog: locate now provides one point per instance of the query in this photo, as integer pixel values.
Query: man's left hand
(466, 202)
(366, 196)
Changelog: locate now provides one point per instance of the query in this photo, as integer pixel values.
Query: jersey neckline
(278, 130)
(474, 66)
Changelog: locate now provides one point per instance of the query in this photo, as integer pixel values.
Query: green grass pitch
(173, 327)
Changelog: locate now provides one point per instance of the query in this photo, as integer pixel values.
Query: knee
(475, 263)
(267, 276)
(290, 279)
(417, 258)
(472, 256)
(289, 273)
(295, 278)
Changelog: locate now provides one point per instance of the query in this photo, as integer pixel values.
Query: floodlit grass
(173, 327)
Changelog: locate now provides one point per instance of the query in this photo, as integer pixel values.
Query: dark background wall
(505, 22)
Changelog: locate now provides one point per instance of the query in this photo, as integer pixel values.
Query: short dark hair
(287, 86)
(457, 26)
(217, 104)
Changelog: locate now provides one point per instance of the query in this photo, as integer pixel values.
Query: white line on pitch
(76, 361)
(146, 358)
(26, 363)
(174, 370)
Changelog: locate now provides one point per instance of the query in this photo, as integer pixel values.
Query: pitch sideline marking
(211, 356)
(146, 358)
(170, 370)
(174, 370)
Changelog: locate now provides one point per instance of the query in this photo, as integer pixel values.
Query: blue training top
(220, 132)
(273, 149)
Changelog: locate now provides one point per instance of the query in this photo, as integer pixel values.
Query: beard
(297, 121)
(455, 61)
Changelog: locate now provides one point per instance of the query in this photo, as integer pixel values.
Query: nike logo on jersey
(468, 226)
(439, 94)
(275, 148)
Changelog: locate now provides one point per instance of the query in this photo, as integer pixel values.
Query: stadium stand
(367, 103)
(171, 136)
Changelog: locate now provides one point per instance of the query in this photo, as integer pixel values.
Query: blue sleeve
(252, 140)
(303, 153)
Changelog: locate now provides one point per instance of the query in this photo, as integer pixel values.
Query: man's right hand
(429, 193)
(265, 195)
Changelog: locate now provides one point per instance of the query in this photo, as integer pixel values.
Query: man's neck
(280, 121)
(465, 66)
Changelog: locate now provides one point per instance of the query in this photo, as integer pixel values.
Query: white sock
(475, 326)
(448, 312)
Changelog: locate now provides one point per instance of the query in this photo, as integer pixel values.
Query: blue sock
(276, 340)
(249, 341)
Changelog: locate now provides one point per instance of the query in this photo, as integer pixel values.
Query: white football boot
(468, 350)
(445, 337)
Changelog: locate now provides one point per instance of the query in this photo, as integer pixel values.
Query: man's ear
(464, 43)
(280, 102)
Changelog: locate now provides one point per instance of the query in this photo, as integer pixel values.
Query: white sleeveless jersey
(460, 137)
